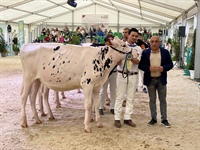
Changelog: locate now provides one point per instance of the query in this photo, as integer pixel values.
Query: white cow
(67, 67)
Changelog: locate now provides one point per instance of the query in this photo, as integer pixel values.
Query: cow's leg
(96, 103)
(40, 97)
(56, 99)
(88, 107)
(25, 90)
(63, 94)
(46, 99)
(32, 97)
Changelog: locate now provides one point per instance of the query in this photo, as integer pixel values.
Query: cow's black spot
(63, 62)
(44, 68)
(107, 63)
(57, 71)
(54, 66)
(69, 78)
(53, 59)
(57, 48)
(101, 74)
(85, 73)
(68, 62)
(104, 51)
(96, 67)
(88, 81)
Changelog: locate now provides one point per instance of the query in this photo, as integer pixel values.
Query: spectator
(155, 62)
(113, 84)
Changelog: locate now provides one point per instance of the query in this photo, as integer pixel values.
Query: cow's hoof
(88, 130)
(91, 120)
(43, 115)
(99, 125)
(58, 106)
(24, 126)
(38, 122)
(51, 118)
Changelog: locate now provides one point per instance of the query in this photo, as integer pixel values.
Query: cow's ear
(115, 41)
(116, 38)
(112, 42)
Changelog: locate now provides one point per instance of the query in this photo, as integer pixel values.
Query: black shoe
(101, 112)
(144, 90)
(112, 111)
(130, 123)
(117, 124)
(166, 124)
(152, 122)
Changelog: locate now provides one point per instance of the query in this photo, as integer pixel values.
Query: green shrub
(176, 46)
(192, 59)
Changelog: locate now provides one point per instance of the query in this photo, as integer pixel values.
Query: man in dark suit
(155, 62)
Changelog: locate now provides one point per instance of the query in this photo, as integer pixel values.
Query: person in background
(105, 32)
(37, 40)
(168, 46)
(127, 85)
(92, 33)
(110, 32)
(125, 34)
(155, 62)
(112, 80)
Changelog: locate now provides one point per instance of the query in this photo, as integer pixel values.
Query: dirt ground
(66, 132)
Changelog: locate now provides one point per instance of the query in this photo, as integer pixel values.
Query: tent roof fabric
(160, 12)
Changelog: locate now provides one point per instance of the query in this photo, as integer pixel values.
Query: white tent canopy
(147, 13)
(164, 14)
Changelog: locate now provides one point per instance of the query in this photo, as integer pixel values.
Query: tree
(176, 45)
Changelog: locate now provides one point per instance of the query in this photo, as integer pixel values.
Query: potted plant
(176, 44)
(191, 63)
(15, 48)
(3, 44)
(75, 38)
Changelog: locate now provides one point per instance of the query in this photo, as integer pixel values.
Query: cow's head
(121, 47)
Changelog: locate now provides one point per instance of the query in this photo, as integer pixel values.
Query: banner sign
(97, 20)
(21, 32)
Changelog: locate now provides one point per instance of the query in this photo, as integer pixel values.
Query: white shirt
(133, 67)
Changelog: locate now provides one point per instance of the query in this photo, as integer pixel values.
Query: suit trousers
(156, 86)
(128, 88)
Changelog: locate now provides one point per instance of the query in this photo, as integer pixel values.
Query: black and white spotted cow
(66, 67)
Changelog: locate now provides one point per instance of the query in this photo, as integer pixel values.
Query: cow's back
(57, 64)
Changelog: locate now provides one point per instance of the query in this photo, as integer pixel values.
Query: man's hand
(160, 69)
(154, 69)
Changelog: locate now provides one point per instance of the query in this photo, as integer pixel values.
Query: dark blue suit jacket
(166, 63)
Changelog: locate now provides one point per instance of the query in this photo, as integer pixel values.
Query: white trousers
(112, 80)
(140, 79)
(129, 90)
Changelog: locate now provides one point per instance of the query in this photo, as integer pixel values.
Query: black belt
(155, 77)
(129, 73)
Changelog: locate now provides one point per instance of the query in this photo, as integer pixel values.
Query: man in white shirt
(127, 82)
